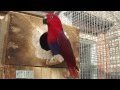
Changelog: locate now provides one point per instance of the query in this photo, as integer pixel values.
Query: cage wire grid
(99, 42)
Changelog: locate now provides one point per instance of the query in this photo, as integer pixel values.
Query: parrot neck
(53, 33)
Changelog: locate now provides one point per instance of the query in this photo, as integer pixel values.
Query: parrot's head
(52, 21)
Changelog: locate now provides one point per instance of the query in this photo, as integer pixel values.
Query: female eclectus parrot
(59, 43)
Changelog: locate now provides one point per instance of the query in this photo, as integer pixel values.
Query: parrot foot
(56, 59)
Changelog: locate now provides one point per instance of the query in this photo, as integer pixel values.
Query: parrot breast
(54, 48)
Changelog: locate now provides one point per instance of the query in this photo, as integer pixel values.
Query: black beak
(45, 20)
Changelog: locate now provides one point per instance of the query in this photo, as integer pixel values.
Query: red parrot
(59, 43)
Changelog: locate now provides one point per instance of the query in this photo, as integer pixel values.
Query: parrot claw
(56, 59)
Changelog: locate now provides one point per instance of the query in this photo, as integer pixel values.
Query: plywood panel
(0, 43)
(54, 73)
(46, 73)
(39, 72)
(1, 73)
(10, 72)
(23, 46)
(3, 37)
(60, 73)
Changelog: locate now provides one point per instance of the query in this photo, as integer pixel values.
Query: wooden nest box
(24, 49)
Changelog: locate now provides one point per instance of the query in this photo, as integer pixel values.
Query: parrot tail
(74, 72)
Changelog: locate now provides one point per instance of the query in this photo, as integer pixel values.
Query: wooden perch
(57, 59)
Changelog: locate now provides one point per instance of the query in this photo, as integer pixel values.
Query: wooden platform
(20, 49)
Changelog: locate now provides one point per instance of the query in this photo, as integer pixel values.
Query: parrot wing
(67, 53)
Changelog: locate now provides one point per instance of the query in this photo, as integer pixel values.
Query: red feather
(67, 53)
(56, 34)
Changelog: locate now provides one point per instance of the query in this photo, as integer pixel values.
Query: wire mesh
(99, 42)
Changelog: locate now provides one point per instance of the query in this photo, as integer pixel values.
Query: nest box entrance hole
(43, 41)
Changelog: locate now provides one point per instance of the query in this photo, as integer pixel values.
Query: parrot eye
(51, 17)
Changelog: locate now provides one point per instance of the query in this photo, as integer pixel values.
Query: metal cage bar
(99, 42)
